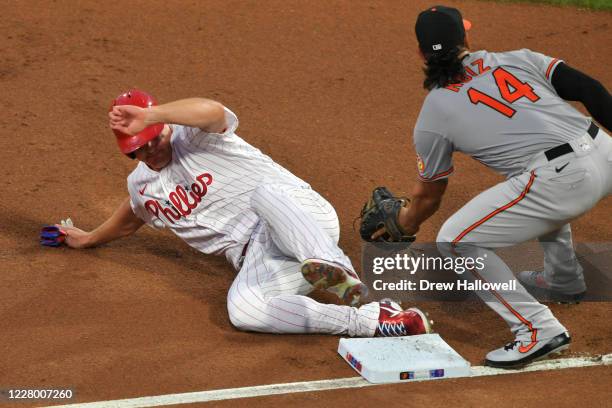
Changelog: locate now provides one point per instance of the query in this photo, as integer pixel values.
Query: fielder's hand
(380, 218)
(382, 231)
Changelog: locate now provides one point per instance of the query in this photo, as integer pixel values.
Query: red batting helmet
(128, 143)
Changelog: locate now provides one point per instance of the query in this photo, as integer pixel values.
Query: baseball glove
(382, 210)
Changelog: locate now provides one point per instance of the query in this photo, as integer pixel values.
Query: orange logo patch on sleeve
(420, 165)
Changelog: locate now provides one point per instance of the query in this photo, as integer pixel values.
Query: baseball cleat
(516, 354)
(395, 322)
(336, 279)
(535, 282)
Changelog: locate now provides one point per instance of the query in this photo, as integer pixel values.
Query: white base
(400, 359)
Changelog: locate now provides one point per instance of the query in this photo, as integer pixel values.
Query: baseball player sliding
(508, 111)
(223, 196)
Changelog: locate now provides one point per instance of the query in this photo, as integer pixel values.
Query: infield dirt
(330, 90)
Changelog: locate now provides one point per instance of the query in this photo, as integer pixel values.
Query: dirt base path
(330, 91)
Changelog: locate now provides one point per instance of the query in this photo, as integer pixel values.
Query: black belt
(567, 148)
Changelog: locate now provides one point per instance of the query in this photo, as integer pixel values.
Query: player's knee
(261, 196)
(445, 239)
(447, 233)
(448, 242)
(237, 322)
(236, 317)
(264, 190)
(334, 233)
(244, 321)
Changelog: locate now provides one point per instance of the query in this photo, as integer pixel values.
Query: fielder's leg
(501, 216)
(562, 278)
(530, 205)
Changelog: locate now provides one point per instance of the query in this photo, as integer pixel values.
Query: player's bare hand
(128, 119)
(75, 237)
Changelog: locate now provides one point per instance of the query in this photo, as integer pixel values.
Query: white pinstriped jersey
(204, 194)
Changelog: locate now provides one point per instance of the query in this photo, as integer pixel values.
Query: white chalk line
(323, 385)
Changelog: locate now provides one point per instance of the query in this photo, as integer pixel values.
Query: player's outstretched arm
(202, 113)
(426, 198)
(122, 223)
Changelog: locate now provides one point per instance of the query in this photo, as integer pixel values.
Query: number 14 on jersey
(510, 88)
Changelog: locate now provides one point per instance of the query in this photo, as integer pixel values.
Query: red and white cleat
(395, 322)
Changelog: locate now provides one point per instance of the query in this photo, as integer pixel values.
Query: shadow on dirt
(206, 278)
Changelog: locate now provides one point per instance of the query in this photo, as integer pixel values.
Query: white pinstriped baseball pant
(268, 294)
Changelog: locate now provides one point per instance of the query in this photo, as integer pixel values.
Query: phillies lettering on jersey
(180, 199)
(174, 196)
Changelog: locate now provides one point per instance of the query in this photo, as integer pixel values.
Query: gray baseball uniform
(507, 115)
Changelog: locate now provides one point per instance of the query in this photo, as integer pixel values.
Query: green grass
(589, 4)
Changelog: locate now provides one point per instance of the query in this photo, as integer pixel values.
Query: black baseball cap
(439, 29)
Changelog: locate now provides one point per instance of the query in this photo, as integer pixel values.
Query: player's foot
(394, 322)
(336, 279)
(517, 354)
(534, 281)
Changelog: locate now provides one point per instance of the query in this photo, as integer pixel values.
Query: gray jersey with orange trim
(505, 113)
(558, 165)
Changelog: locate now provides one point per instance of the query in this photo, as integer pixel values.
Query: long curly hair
(441, 70)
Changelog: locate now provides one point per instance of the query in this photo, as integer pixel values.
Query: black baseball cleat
(517, 354)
